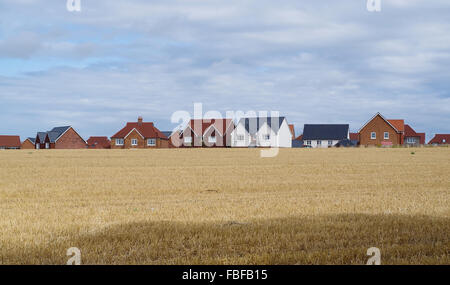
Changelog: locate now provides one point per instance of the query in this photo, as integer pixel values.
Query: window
(410, 140)
(443, 140)
(319, 142)
(134, 142)
(151, 142)
(240, 137)
(212, 139)
(373, 135)
(47, 145)
(386, 135)
(308, 142)
(267, 137)
(119, 141)
(330, 143)
(38, 146)
(187, 140)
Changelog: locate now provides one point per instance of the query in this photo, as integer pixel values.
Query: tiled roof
(354, 136)
(32, 140)
(440, 139)
(299, 138)
(398, 124)
(291, 127)
(147, 130)
(252, 125)
(199, 126)
(10, 141)
(325, 132)
(98, 142)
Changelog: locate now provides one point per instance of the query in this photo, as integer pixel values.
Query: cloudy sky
(322, 61)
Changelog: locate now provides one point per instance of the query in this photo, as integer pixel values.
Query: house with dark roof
(207, 133)
(59, 138)
(174, 138)
(9, 142)
(354, 138)
(379, 131)
(411, 138)
(29, 143)
(440, 139)
(324, 135)
(262, 132)
(98, 143)
(139, 134)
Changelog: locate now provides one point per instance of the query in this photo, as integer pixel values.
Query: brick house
(380, 131)
(59, 138)
(29, 143)
(207, 133)
(174, 138)
(98, 143)
(440, 139)
(10, 142)
(139, 135)
(412, 138)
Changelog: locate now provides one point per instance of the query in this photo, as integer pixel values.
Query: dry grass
(225, 206)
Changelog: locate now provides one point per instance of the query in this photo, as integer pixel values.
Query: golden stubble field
(225, 206)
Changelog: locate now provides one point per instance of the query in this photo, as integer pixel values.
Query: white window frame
(266, 137)
(119, 141)
(151, 142)
(373, 135)
(410, 140)
(386, 137)
(240, 137)
(38, 146)
(330, 143)
(187, 139)
(47, 145)
(212, 139)
(308, 142)
(319, 142)
(134, 142)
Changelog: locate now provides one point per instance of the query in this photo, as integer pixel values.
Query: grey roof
(346, 143)
(33, 140)
(41, 136)
(53, 135)
(325, 132)
(253, 124)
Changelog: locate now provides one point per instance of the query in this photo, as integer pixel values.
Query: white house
(324, 135)
(262, 132)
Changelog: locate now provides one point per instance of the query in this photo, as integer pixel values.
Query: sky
(322, 61)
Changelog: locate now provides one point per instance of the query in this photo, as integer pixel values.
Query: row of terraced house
(247, 132)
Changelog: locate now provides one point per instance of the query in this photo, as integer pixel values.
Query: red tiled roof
(10, 141)
(220, 124)
(440, 139)
(398, 124)
(98, 142)
(299, 138)
(291, 127)
(147, 130)
(410, 132)
(354, 136)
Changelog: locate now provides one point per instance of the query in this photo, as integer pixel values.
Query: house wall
(314, 143)
(282, 139)
(70, 140)
(379, 126)
(141, 142)
(27, 145)
(415, 142)
(240, 130)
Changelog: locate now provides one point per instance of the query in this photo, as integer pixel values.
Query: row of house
(247, 132)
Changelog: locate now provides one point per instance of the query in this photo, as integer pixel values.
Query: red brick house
(98, 143)
(29, 143)
(354, 137)
(380, 131)
(440, 139)
(59, 138)
(139, 135)
(10, 142)
(207, 133)
(412, 138)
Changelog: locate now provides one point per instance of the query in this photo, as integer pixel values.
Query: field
(225, 206)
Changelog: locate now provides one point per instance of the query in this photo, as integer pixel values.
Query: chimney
(139, 121)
